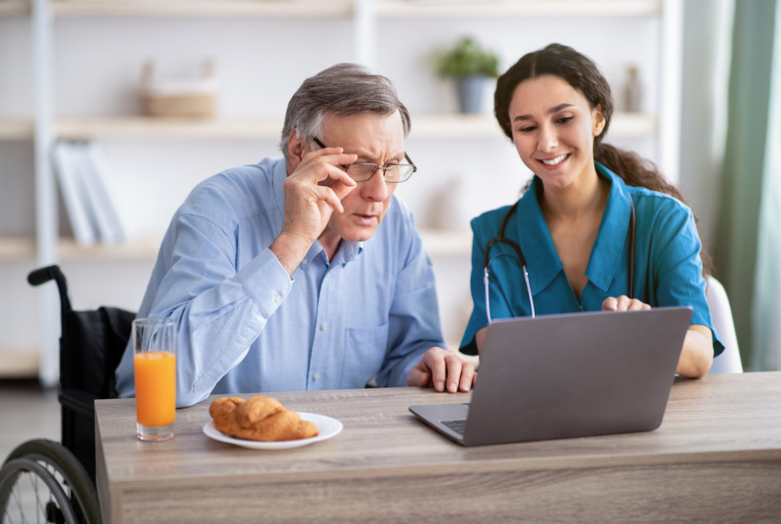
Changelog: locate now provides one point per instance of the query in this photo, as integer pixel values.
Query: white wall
(260, 63)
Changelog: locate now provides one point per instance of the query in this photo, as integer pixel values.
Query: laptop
(568, 375)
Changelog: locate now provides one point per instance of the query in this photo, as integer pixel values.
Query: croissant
(259, 418)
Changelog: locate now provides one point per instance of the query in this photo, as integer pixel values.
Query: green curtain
(747, 239)
(766, 346)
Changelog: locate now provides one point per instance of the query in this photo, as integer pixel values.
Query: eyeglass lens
(363, 171)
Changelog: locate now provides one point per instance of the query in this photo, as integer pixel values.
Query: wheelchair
(46, 481)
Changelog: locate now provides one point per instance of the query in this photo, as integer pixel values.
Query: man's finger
(454, 366)
(436, 363)
(343, 186)
(424, 379)
(467, 377)
(419, 376)
(327, 195)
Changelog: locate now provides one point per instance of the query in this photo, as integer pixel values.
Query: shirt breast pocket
(364, 353)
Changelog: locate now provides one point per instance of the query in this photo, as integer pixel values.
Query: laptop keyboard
(457, 425)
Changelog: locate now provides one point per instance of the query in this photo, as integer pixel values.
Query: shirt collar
(542, 261)
(348, 251)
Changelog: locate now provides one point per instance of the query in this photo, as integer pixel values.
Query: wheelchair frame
(91, 345)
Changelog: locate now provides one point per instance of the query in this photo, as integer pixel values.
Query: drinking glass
(154, 363)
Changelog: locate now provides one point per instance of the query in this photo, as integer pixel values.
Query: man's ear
(295, 149)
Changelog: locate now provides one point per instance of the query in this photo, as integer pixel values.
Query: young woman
(587, 205)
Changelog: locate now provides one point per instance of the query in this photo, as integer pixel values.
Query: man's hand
(440, 367)
(313, 191)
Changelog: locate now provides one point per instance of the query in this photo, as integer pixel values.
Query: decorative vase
(470, 93)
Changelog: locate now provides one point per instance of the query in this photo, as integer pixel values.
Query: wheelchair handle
(43, 275)
(53, 272)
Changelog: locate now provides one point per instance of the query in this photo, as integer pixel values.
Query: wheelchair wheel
(42, 481)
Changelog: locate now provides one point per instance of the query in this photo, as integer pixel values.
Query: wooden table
(716, 458)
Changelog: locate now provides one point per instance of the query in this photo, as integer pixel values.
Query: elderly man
(305, 272)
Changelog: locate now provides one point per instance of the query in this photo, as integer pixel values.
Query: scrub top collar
(544, 264)
(529, 227)
(607, 255)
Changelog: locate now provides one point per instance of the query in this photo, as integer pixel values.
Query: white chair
(721, 313)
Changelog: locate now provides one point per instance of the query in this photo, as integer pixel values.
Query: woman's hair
(583, 74)
(342, 90)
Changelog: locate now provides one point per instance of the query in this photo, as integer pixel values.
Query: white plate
(327, 427)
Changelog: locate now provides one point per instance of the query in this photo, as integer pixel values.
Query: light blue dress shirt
(668, 268)
(245, 325)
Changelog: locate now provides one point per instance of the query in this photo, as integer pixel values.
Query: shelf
(203, 8)
(19, 363)
(437, 242)
(341, 8)
(446, 243)
(423, 126)
(13, 248)
(476, 126)
(146, 127)
(506, 8)
(16, 128)
(16, 248)
(14, 7)
(142, 249)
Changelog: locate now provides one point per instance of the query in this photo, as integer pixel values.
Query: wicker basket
(195, 99)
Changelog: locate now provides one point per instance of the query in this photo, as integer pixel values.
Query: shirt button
(304, 262)
(323, 326)
(277, 298)
(317, 377)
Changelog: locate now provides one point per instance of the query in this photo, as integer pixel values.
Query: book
(83, 173)
(97, 173)
(74, 193)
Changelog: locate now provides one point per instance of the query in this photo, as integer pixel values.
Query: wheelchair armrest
(79, 401)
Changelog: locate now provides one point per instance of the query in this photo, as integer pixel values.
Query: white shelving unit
(366, 18)
(238, 128)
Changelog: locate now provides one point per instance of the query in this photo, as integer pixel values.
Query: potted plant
(469, 65)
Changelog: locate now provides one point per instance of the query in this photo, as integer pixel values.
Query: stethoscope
(501, 239)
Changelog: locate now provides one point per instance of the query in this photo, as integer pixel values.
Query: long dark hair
(583, 74)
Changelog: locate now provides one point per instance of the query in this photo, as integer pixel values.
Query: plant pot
(470, 93)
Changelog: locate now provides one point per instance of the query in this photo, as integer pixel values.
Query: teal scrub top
(668, 268)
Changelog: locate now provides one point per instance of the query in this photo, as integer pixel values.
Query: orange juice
(155, 388)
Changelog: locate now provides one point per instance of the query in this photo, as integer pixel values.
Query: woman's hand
(697, 352)
(623, 303)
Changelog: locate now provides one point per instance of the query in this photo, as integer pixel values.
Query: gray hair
(343, 90)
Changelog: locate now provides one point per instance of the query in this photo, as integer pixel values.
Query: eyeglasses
(363, 171)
